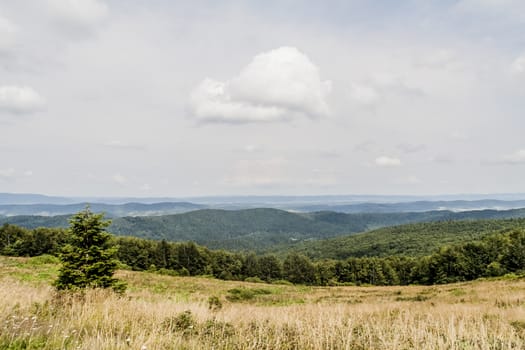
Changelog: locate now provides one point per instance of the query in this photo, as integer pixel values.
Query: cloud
(366, 95)
(20, 100)
(385, 161)
(275, 86)
(79, 14)
(7, 174)
(517, 157)
(518, 66)
(252, 149)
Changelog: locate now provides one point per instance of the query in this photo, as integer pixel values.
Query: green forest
(262, 230)
(430, 253)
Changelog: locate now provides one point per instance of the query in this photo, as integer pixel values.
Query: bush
(214, 303)
(242, 294)
(183, 322)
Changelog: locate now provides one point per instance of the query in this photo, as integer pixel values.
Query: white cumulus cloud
(386, 161)
(517, 157)
(7, 174)
(20, 100)
(278, 85)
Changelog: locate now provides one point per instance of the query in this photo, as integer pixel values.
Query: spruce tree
(88, 261)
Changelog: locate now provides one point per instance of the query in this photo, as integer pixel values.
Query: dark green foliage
(270, 268)
(298, 269)
(214, 303)
(262, 230)
(455, 251)
(136, 253)
(89, 260)
(183, 322)
(216, 329)
(243, 294)
(10, 238)
(18, 241)
(325, 273)
(409, 240)
(250, 266)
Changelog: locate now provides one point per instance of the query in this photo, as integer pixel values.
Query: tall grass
(163, 312)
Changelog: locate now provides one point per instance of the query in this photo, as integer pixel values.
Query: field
(164, 312)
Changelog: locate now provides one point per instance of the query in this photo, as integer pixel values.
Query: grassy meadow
(165, 312)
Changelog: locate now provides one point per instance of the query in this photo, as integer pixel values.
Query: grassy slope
(162, 312)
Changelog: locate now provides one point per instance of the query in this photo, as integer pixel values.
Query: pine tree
(89, 260)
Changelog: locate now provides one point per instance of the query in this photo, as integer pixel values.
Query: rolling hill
(416, 239)
(264, 229)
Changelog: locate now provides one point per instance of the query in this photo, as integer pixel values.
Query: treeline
(495, 255)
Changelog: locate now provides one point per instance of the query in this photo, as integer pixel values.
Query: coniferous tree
(89, 260)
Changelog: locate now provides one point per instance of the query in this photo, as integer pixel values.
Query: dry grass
(478, 315)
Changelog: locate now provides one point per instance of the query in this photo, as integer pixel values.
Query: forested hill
(259, 229)
(417, 239)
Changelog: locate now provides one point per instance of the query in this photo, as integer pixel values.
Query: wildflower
(128, 340)
(143, 347)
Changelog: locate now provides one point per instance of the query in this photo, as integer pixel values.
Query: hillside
(260, 229)
(417, 239)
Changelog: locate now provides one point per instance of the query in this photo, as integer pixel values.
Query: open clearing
(165, 312)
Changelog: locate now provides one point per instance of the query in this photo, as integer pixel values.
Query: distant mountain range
(35, 204)
(418, 206)
(30, 198)
(111, 210)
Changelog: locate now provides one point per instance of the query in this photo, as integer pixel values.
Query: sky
(196, 98)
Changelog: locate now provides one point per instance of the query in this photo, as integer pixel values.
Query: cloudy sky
(191, 98)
